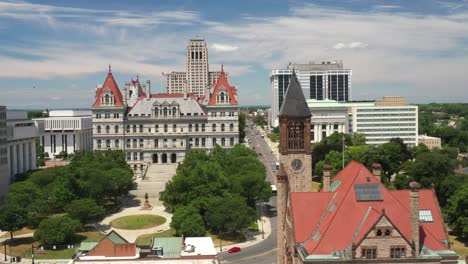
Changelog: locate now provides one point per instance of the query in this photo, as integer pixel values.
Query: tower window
(295, 136)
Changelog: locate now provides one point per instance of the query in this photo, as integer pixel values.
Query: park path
(131, 235)
(155, 180)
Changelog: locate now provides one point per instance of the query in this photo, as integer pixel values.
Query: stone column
(33, 156)
(20, 158)
(14, 159)
(27, 158)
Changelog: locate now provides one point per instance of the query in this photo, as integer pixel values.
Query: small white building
(66, 130)
(430, 142)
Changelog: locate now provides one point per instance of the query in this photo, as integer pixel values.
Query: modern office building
(66, 130)
(319, 81)
(378, 120)
(4, 170)
(197, 76)
(161, 128)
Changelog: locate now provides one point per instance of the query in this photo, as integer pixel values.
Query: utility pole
(32, 253)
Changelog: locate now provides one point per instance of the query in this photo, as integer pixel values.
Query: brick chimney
(377, 170)
(414, 215)
(326, 177)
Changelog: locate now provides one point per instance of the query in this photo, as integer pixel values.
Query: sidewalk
(256, 239)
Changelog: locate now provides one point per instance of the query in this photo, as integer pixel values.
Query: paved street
(264, 252)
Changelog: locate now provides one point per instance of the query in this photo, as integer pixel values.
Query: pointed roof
(223, 82)
(329, 221)
(112, 85)
(294, 102)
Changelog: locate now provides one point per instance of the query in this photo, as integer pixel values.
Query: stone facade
(161, 128)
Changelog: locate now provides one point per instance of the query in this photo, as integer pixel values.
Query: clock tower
(295, 174)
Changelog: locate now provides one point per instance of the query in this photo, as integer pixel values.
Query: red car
(234, 250)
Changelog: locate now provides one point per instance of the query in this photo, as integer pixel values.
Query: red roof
(112, 85)
(223, 82)
(339, 225)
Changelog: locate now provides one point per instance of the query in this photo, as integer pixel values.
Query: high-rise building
(162, 128)
(326, 80)
(4, 170)
(197, 77)
(66, 130)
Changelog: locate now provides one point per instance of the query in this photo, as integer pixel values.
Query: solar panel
(367, 192)
(425, 216)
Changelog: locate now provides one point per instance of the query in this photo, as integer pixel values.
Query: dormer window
(107, 98)
(222, 97)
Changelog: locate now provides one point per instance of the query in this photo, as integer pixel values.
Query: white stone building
(430, 142)
(197, 76)
(378, 120)
(20, 146)
(161, 128)
(66, 130)
(4, 169)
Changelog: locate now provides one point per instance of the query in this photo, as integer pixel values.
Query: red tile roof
(340, 224)
(112, 85)
(223, 82)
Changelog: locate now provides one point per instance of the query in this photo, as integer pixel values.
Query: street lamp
(32, 253)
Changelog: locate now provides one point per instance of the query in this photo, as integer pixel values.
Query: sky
(53, 54)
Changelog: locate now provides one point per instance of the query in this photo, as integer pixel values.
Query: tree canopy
(205, 181)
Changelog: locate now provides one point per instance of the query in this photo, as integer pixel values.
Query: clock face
(296, 164)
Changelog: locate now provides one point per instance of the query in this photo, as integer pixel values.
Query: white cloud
(224, 47)
(351, 45)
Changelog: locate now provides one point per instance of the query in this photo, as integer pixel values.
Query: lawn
(22, 247)
(23, 231)
(459, 246)
(134, 222)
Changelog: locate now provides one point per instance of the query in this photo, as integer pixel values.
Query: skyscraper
(197, 76)
(325, 80)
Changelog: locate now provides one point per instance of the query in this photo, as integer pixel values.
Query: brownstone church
(354, 218)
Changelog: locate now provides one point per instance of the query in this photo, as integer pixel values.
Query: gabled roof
(116, 238)
(114, 88)
(223, 82)
(294, 103)
(328, 221)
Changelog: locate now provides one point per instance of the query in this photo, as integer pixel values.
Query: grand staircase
(155, 180)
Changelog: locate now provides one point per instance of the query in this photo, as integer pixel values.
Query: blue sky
(54, 53)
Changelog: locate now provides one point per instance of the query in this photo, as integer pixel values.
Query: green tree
(450, 185)
(57, 230)
(242, 125)
(457, 213)
(260, 120)
(221, 217)
(86, 211)
(430, 168)
(358, 139)
(12, 218)
(187, 221)
(402, 181)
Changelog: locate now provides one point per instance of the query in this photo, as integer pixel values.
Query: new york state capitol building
(161, 128)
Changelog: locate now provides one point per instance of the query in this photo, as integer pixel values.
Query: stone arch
(164, 158)
(155, 158)
(173, 158)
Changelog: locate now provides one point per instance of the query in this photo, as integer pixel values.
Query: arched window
(379, 232)
(174, 128)
(156, 143)
(214, 142)
(117, 145)
(222, 97)
(190, 127)
(107, 143)
(165, 111)
(295, 135)
(387, 232)
(197, 142)
(116, 129)
(141, 128)
(203, 142)
(106, 99)
(231, 141)
(174, 111)
(165, 128)
(107, 129)
(134, 128)
(214, 127)
(99, 143)
(141, 155)
(128, 128)
(99, 129)
(156, 111)
(231, 127)
(196, 127)
(223, 142)
(222, 127)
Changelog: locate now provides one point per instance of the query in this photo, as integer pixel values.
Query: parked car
(234, 250)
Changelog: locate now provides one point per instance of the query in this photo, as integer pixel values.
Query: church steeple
(294, 117)
(294, 103)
